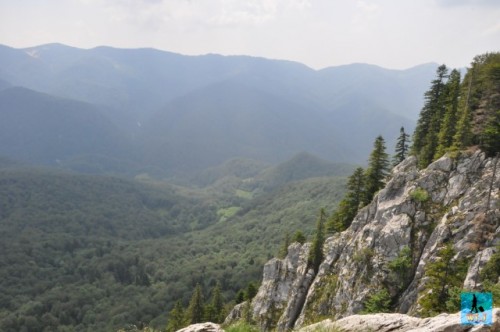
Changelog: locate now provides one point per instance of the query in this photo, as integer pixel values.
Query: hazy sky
(318, 33)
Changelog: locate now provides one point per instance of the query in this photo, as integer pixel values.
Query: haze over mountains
(131, 111)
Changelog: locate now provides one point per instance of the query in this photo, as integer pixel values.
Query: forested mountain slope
(96, 252)
(37, 127)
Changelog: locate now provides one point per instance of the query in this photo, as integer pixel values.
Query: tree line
(458, 114)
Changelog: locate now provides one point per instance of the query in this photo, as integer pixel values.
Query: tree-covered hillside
(458, 114)
(84, 252)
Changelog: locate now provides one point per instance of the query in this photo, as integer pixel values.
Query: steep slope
(40, 128)
(453, 201)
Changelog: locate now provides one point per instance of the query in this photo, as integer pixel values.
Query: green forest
(102, 253)
(82, 252)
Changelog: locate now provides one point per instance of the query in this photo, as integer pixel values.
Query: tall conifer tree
(429, 121)
(215, 309)
(316, 253)
(448, 127)
(349, 205)
(378, 169)
(176, 318)
(195, 309)
(401, 147)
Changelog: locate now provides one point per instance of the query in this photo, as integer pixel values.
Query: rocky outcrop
(202, 327)
(236, 313)
(283, 290)
(402, 323)
(454, 200)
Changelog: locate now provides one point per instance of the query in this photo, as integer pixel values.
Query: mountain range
(145, 110)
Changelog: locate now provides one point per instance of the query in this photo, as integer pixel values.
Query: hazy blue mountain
(4, 84)
(192, 112)
(226, 120)
(40, 128)
(230, 119)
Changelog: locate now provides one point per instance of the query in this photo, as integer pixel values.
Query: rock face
(283, 289)
(452, 201)
(402, 323)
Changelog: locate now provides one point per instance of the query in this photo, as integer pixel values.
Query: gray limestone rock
(401, 323)
(284, 280)
(420, 209)
(202, 327)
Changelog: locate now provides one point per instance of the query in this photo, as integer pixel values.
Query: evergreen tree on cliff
(401, 147)
(425, 138)
(478, 116)
(448, 127)
(377, 171)
(350, 204)
(316, 253)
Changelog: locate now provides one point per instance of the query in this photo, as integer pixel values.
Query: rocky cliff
(453, 201)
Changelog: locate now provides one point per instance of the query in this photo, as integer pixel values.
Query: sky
(394, 34)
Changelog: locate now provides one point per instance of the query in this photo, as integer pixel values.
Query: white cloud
(367, 7)
(365, 16)
(474, 3)
(493, 29)
(216, 13)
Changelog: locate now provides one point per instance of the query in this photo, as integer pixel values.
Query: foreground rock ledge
(402, 323)
(202, 327)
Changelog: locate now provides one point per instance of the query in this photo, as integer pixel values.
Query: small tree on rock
(316, 253)
(378, 169)
(401, 147)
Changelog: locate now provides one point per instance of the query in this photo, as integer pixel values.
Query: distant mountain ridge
(37, 127)
(192, 112)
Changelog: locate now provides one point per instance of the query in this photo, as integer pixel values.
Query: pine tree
(240, 296)
(250, 292)
(350, 204)
(176, 318)
(429, 121)
(491, 135)
(195, 309)
(377, 171)
(316, 253)
(448, 127)
(489, 139)
(401, 147)
(213, 310)
(442, 274)
(378, 302)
